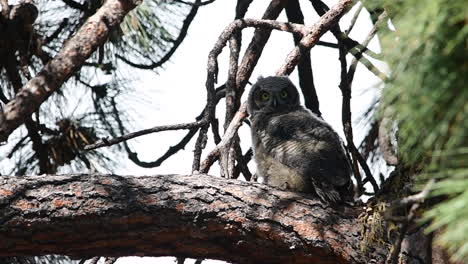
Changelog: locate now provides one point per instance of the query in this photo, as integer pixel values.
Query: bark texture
(70, 58)
(196, 216)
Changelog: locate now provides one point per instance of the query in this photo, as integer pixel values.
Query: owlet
(293, 148)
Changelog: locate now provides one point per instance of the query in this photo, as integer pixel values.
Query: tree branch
(254, 50)
(74, 53)
(75, 5)
(304, 68)
(173, 215)
(325, 23)
(105, 142)
(229, 135)
(415, 201)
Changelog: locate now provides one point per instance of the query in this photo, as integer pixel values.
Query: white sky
(178, 92)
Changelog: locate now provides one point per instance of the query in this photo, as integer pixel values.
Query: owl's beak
(274, 103)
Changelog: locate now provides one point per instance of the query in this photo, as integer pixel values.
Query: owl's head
(273, 94)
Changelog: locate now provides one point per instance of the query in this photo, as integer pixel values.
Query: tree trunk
(196, 216)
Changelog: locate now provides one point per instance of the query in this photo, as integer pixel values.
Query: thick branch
(91, 35)
(191, 216)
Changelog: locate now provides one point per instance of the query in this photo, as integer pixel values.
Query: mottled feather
(293, 148)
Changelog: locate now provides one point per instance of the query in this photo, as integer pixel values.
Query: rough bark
(74, 53)
(196, 216)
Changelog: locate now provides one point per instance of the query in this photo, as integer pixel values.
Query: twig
(325, 23)
(255, 47)
(354, 19)
(416, 198)
(57, 31)
(215, 130)
(75, 5)
(94, 260)
(327, 44)
(33, 132)
(176, 43)
(197, 3)
(365, 167)
(241, 8)
(346, 113)
(199, 146)
(226, 140)
(220, 93)
(105, 142)
(416, 201)
(358, 56)
(368, 144)
(345, 87)
(232, 96)
(110, 260)
(353, 46)
(3, 98)
(228, 155)
(304, 68)
(242, 162)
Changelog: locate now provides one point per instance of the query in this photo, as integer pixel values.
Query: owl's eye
(284, 94)
(264, 96)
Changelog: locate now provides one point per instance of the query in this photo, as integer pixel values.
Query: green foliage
(429, 98)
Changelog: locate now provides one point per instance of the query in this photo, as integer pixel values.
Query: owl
(293, 148)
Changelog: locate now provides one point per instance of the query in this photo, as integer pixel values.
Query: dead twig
(255, 47)
(109, 142)
(416, 201)
(229, 135)
(359, 55)
(110, 260)
(196, 3)
(353, 47)
(228, 155)
(304, 68)
(325, 23)
(354, 19)
(416, 198)
(345, 88)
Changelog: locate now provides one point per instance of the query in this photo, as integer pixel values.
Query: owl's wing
(310, 146)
